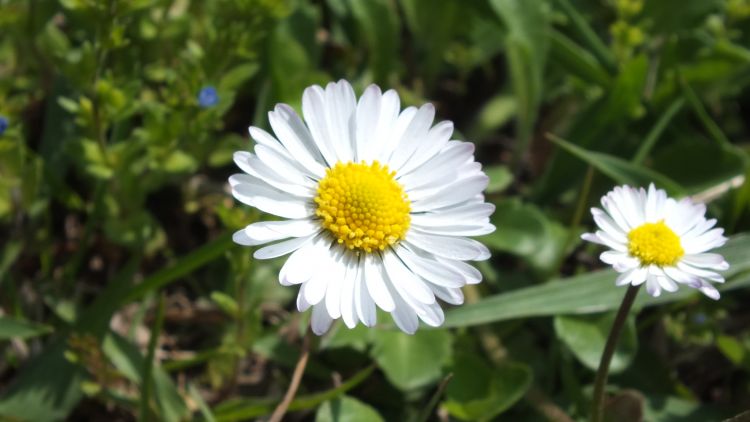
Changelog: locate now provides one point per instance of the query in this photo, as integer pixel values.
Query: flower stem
(597, 407)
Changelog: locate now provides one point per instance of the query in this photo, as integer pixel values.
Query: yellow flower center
(363, 206)
(655, 243)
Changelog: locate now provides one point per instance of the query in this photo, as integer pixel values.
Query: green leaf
(412, 361)
(346, 409)
(500, 178)
(246, 409)
(128, 360)
(179, 162)
(587, 33)
(732, 349)
(379, 25)
(479, 392)
(697, 165)
(226, 303)
(526, 46)
(11, 328)
(586, 336)
(574, 59)
(589, 293)
(238, 75)
(523, 230)
(495, 113)
(619, 170)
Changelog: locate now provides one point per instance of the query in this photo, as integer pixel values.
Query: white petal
(336, 273)
(709, 290)
(254, 166)
(340, 106)
(463, 230)
(449, 216)
(453, 296)
(685, 216)
(700, 272)
(431, 270)
(404, 316)
(713, 261)
(315, 289)
(705, 242)
(374, 279)
(314, 110)
(363, 303)
(397, 131)
(281, 248)
(368, 112)
(269, 231)
(454, 193)
(258, 194)
(437, 138)
(302, 303)
(296, 137)
(413, 137)
(296, 269)
(652, 286)
(453, 156)
(406, 281)
(432, 315)
(458, 248)
(320, 320)
(470, 274)
(390, 105)
(608, 225)
(348, 313)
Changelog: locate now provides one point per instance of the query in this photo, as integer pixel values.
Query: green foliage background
(122, 296)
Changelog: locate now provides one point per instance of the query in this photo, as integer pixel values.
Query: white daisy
(658, 240)
(377, 205)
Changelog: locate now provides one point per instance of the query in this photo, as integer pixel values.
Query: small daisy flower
(658, 241)
(377, 206)
(208, 97)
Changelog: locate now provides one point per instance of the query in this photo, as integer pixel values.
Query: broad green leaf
(346, 409)
(11, 328)
(586, 335)
(677, 409)
(500, 178)
(412, 361)
(732, 349)
(238, 75)
(478, 392)
(523, 230)
(619, 170)
(590, 293)
(495, 113)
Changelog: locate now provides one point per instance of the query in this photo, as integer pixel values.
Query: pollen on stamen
(363, 206)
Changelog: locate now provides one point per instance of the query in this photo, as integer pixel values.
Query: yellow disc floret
(655, 243)
(363, 206)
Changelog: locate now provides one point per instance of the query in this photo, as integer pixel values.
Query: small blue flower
(3, 124)
(208, 97)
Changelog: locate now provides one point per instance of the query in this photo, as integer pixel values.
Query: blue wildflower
(3, 124)
(208, 97)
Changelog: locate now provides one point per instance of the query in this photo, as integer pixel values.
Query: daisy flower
(658, 241)
(377, 204)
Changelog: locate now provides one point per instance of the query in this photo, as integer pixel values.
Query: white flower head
(377, 206)
(658, 241)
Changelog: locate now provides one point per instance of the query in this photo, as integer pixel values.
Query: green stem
(597, 407)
